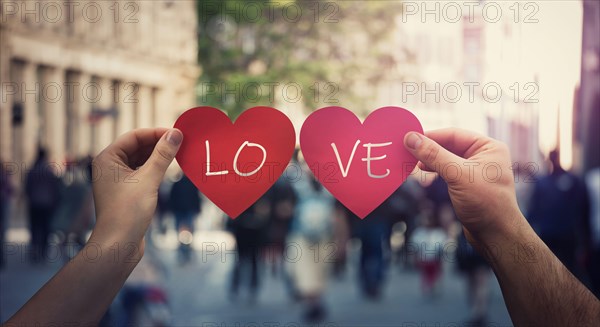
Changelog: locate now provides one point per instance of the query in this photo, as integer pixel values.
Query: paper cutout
(234, 164)
(361, 164)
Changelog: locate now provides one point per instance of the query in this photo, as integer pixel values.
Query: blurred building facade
(587, 120)
(504, 49)
(75, 75)
(494, 55)
(456, 65)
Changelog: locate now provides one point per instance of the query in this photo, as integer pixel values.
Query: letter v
(337, 155)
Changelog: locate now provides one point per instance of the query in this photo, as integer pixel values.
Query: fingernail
(174, 137)
(414, 140)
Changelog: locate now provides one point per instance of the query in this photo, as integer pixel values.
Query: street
(198, 292)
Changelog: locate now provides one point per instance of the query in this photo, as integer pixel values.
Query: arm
(125, 201)
(538, 290)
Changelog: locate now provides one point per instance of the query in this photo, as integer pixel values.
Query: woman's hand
(126, 177)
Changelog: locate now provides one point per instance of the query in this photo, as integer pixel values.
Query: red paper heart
(358, 191)
(234, 192)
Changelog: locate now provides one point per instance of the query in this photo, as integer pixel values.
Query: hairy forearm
(538, 289)
(84, 288)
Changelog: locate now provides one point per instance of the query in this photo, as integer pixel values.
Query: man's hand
(478, 172)
(126, 179)
(538, 290)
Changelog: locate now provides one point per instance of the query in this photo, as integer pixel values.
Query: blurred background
(76, 74)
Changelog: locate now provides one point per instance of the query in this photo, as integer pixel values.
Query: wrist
(118, 237)
(513, 242)
(114, 250)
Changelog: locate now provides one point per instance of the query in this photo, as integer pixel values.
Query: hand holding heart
(480, 182)
(127, 175)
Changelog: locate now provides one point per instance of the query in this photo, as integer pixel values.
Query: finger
(432, 155)
(164, 152)
(461, 142)
(132, 147)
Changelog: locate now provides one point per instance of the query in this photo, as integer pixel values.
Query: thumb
(432, 155)
(163, 154)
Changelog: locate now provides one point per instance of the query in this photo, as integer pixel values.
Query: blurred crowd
(301, 234)
(58, 203)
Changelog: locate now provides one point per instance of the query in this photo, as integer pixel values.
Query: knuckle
(164, 154)
(503, 146)
(430, 152)
(99, 160)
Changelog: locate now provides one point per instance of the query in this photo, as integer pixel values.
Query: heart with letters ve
(361, 164)
(234, 164)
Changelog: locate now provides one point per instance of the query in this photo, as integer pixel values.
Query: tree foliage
(323, 47)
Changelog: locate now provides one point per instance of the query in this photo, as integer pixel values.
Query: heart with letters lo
(234, 164)
(361, 164)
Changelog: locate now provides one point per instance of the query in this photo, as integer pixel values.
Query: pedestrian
(283, 200)
(341, 237)
(74, 215)
(429, 239)
(249, 231)
(186, 204)
(593, 182)
(162, 204)
(43, 189)
(6, 194)
(309, 245)
(477, 273)
(559, 211)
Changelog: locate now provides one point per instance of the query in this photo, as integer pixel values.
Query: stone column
(7, 90)
(163, 112)
(144, 107)
(29, 90)
(126, 95)
(104, 127)
(82, 107)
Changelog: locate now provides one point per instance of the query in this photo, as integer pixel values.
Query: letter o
(298, 92)
(498, 92)
(458, 172)
(456, 18)
(458, 92)
(57, 11)
(298, 12)
(484, 12)
(484, 172)
(298, 252)
(86, 250)
(85, 12)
